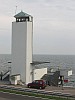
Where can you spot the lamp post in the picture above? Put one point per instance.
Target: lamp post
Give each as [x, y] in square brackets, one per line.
[62, 81]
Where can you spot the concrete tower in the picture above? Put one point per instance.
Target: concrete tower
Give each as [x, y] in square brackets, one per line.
[22, 38]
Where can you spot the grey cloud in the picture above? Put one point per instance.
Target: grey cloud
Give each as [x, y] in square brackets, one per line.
[62, 4]
[29, 1]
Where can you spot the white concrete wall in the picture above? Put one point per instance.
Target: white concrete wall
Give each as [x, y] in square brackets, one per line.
[22, 49]
[15, 79]
[18, 77]
[38, 73]
[29, 49]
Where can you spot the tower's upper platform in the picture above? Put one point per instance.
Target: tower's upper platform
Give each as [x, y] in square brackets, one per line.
[22, 17]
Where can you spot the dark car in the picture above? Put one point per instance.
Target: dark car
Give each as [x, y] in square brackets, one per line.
[37, 84]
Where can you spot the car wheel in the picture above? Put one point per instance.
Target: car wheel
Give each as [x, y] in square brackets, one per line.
[40, 87]
[28, 86]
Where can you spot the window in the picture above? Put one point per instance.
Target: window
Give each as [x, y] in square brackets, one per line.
[36, 81]
[40, 82]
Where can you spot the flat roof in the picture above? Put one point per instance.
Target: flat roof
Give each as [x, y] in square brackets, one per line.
[39, 62]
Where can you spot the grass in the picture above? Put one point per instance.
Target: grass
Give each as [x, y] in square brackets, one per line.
[34, 94]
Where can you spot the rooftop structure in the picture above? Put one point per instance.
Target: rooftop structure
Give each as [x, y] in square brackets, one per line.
[22, 17]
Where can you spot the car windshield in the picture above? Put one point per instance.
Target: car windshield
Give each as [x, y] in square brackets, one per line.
[33, 82]
[36, 81]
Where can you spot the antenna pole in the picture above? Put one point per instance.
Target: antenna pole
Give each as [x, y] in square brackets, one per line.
[15, 9]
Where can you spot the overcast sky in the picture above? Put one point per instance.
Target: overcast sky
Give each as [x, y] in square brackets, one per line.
[54, 25]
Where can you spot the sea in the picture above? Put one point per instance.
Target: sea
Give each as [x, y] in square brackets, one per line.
[56, 61]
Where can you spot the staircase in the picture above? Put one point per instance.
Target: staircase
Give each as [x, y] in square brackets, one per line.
[5, 76]
[52, 78]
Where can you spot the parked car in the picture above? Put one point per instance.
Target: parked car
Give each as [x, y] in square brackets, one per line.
[37, 84]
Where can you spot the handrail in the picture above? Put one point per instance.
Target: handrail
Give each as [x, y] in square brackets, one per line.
[5, 74]
[53, 83]
[51, 93]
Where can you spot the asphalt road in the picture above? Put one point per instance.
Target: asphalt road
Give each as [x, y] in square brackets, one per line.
[7, 96]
